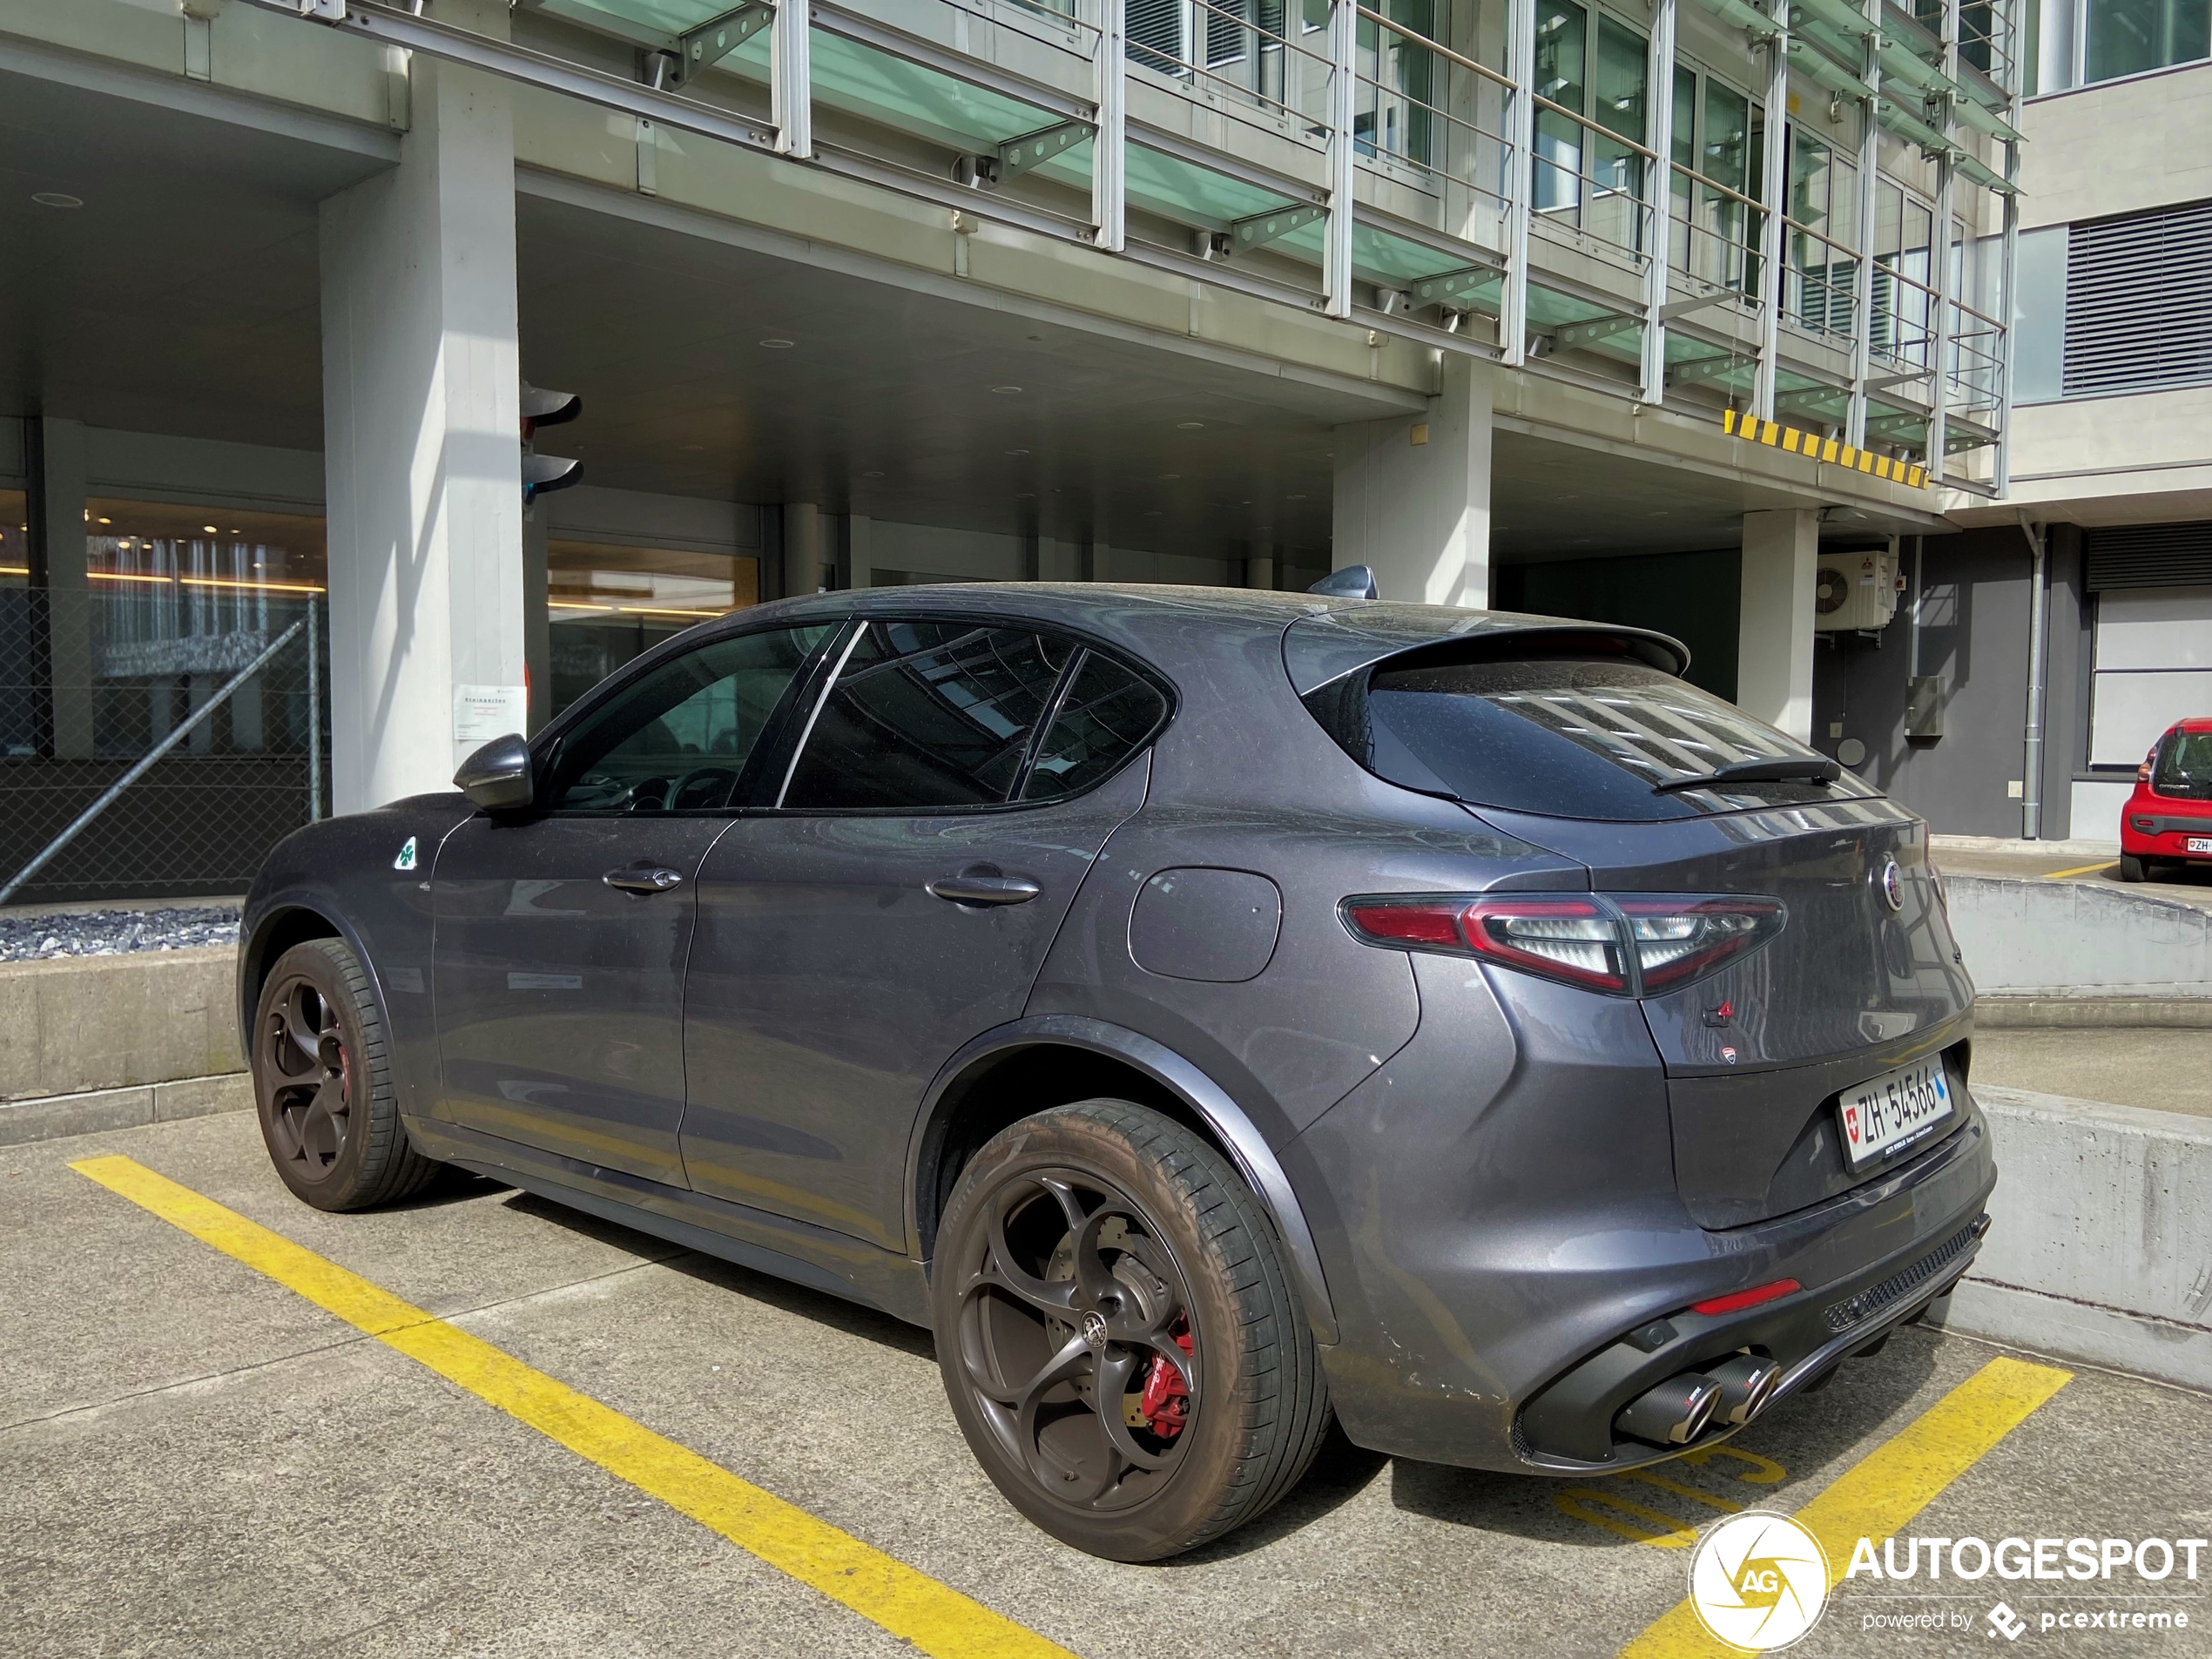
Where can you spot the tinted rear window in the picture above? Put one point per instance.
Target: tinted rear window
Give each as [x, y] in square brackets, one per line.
[2184, 765]
[1566, 736]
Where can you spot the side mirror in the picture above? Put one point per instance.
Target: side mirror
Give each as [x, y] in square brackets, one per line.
[497, 776]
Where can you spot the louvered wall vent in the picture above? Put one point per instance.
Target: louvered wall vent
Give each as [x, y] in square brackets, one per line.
[2139, 302]
[2150, 556]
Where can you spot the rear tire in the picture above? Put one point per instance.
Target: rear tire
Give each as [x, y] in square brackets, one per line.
[1079, 1248]
[2131, 868]
[322, 1083]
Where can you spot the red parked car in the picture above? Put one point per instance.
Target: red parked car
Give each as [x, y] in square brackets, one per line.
[2169, 816]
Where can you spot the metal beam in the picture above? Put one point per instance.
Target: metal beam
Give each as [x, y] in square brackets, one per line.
[1841, 16]
[1343, 170]
[1862, 287]
[1684, 307]
[791, 79]
[1017, 156]
[1110, 90]
[1521, 67]
[1660, 190]
[1774, 196]
[1946, 207]
[1258, 229]
[1576, 335]
[1707, 368]
[709, 43]
[1452, 285]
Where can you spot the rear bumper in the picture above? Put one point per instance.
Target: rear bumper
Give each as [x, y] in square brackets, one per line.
[2158, 831]
[1490, 1245]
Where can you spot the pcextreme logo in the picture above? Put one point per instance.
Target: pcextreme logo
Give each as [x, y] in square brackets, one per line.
[1758, 1580]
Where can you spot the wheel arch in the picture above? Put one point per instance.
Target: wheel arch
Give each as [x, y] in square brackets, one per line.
[1006, 1075]
[274, 932]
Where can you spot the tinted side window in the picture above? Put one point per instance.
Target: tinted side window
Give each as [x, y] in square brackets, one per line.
[1107, 716]
[926, 716]
[679, 739]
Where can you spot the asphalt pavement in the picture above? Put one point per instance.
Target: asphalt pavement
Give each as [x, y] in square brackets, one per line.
[201, 1459]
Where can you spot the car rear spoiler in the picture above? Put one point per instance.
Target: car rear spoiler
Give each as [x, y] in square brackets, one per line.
[1348, 638]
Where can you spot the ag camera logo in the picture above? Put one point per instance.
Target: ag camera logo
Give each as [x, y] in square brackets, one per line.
[1758, 1580]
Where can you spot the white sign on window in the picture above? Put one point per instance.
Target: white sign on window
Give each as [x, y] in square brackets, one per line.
[482, 712]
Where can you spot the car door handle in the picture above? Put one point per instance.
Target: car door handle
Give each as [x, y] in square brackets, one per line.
[642, 878]
[984, 886]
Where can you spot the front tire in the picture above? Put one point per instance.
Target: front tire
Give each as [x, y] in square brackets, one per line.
[322, 1083]
[1120, 1341]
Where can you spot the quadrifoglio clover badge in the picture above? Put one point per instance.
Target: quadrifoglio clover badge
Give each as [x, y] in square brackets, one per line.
[1758, 1580]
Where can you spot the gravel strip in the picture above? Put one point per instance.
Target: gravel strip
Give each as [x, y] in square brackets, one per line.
[113, 932]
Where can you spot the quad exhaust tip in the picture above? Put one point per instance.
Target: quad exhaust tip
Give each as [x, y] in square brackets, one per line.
[1674, 1413]
[1747, 1383]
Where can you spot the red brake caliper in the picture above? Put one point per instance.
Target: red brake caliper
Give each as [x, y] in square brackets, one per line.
[1165, 1401]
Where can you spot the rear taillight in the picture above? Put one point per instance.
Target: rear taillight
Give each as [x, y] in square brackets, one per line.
[1637, 944]
[1680, 940]
[1571, 938]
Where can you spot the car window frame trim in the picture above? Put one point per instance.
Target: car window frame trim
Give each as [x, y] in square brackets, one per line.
[639, 668]
[1169, 695]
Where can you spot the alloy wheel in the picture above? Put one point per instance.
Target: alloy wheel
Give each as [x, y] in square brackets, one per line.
[1076, 1340]
[310, 1074]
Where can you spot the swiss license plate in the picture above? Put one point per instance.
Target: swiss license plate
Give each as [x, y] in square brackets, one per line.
[2201, 843]
[1885, 1113]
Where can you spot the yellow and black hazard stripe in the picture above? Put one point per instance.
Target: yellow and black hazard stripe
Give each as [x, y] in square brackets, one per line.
[1827, 450]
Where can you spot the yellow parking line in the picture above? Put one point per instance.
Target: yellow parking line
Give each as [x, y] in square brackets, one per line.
[909, 1604]
[1890, 1485]
[2058, 875]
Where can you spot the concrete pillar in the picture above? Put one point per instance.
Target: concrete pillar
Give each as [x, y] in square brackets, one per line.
[859, 552]
[805, 549]
[537, 619]
[59, 566]
[1059, 559]
[1259, 570]
[1774, 644]
[1412, 495]
[423, 449]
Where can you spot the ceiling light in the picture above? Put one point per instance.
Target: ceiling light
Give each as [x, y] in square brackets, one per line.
[209, 530]
[1003, 390]
[1017, 452]
[777, 345]
[57, 199]
[1171, 475]
[694, 448]
[1189, 426]
[107, 520]
[871, 474]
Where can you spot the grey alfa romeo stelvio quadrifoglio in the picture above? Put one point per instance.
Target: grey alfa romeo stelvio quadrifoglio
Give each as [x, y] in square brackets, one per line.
[1211, 1013]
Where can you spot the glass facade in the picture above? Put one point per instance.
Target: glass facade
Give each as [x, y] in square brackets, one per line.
[606, 603]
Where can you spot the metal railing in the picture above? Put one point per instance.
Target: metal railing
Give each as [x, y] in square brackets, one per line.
[146, 760]
[1402, 136]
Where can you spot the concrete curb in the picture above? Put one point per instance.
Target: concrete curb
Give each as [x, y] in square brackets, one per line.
[2101, 1244]
[2078, 939]
[51, 1117]
[78, 1024]
[2090, 1013]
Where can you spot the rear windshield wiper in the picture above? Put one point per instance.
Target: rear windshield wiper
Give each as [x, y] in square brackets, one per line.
[1764, 769]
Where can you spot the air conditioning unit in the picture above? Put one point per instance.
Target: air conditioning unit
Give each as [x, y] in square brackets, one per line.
[1854, 590]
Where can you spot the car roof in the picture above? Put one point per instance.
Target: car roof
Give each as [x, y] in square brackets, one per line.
[1328, 634]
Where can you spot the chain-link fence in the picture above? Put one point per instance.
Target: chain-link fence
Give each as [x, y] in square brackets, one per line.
[187, 717]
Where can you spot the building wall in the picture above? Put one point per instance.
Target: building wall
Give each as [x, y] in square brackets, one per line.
[2117, 147]
[1974, 592]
